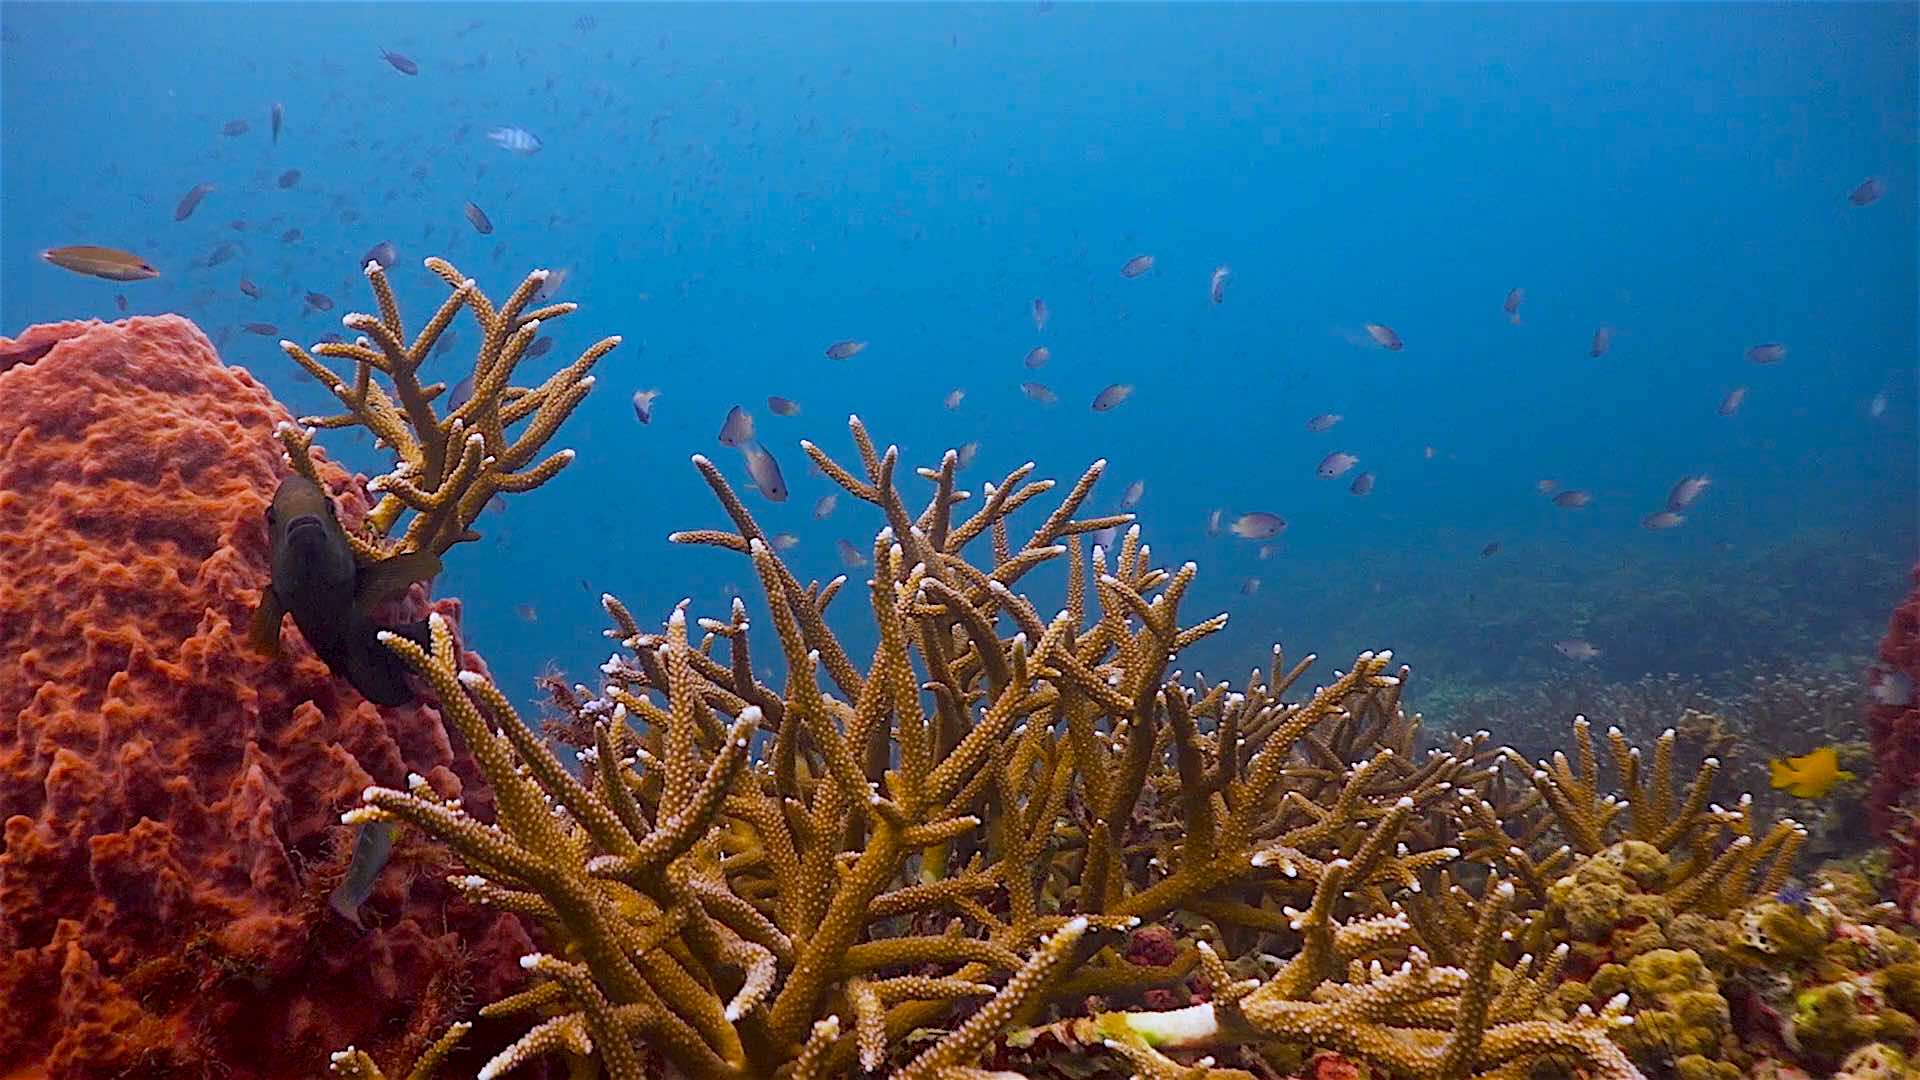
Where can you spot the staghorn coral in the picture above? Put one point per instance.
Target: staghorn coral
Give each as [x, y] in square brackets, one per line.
[171, 799]
[449, 464]
[758, 882]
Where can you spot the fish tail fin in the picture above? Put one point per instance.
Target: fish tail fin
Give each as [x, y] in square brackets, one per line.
[376, 670]
[1779, 775]
[342, 903]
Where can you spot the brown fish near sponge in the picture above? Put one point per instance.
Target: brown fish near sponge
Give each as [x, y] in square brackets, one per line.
[331, 593]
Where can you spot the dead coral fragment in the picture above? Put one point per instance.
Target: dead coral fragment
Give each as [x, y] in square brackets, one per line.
[451, 462]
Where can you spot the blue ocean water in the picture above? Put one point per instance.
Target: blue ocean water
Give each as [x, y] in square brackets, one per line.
[732, 188]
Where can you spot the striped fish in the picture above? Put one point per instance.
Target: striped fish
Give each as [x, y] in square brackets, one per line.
[519, 140]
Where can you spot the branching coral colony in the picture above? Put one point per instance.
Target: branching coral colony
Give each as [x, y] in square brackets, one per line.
[1003, 819]
[449, 464]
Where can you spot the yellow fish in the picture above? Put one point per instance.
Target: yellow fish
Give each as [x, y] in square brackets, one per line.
[1809, 776]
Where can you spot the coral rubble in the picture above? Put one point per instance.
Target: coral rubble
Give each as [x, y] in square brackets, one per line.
[171, 800]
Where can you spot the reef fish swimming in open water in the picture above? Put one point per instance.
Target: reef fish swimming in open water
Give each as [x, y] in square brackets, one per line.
[764, 470]
[1576, 649]
[1110, 398]
[1384, 337]
[191, 201]
[331, 594]
[1258, 525]
[1136, 266]
[845, 350]
[1809, 776]
[643, 405]
[402, 64]
[100, 262]
[371, 846]
[1336, 463]
[738, 428]
[516, 139]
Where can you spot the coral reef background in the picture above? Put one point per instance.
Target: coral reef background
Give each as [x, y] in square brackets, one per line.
[735, 194]
[172, 798]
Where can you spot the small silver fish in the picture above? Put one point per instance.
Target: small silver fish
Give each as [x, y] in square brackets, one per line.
[288, 179]
[461, 394]
[1868, 192]
[825, 505]
[1257, 525]
[1573, 499]
[1037, 357]
[965, 455]
[235, 127]
[550, 288]
[953, 399]
[765, 471]
[1217, 285]
[1136, 266]
[1877, 408]
[517, 140]
[279, 113]
[1576, 649]
[1602, 341]
[1110, 398]
[850, 556]
[1893, 688]
[1663, 519]
[478, 218]
[845, 350]
[1039, 392]
[1492, 549]
[1335, 464]
[1213, 522]
[191, 200]
[1362, 484]
[1731, 403]
[784, 541]
[1324, 421]
[643, 405]
[738, 428]
[1039, 314]
[1512, 306]
[780, 406]
[383, 253]
[1384, 337]
[371, 847]
[1104, 538]
[1686, 490]
[1771, 352]
[400, 63]
[1130, 498]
